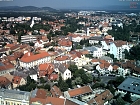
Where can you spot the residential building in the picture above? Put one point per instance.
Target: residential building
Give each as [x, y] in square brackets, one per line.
[5, 83]
[18, 81]
[79, 58]
[66, 44]
[56, 92]
[96, 51]
[106, 58]
[102, 98]
[45, 69]
[31, 60]
[64, 71]
[117, 48]
[28, 38]
[6, 67]
[123, 72]
[95, 40]
[62, 59]
[14, 97]
[82, 91]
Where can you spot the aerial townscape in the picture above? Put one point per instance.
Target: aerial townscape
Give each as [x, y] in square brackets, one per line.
[69, 57]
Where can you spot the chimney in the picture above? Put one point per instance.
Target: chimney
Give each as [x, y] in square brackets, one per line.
[28, 53]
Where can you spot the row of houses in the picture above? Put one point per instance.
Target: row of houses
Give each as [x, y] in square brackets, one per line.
[42, 97]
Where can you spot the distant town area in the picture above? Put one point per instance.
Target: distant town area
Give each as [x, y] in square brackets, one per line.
[69, 57]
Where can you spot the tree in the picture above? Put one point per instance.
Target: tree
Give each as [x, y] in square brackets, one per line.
[60, 80]
[135, 52]
[63, 86]
[111, 89]
[78, 81]
[118, 81]
[127, 97]
[69, 82]
[42, 80]
[73, 68]
[47, 87]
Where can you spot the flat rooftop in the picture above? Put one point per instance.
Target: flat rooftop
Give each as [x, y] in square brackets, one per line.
[131, 84]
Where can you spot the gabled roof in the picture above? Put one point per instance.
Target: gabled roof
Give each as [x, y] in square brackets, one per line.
[62, 58]
[35, 57]
[62, 68]
[4, 81]
[6, 65]
[45, 69]
[100, 99]
[80, 91]
[56, 92]
[16, 79]
[66, 43]
[104, 65]
[41, 93]
[79, 54]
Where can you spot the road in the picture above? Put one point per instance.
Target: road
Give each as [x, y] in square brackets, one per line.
[105, 79]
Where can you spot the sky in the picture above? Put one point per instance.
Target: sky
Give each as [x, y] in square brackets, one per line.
[60, 4]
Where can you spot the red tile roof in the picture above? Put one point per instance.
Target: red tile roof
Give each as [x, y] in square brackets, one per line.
[9, 45]
[6, 65]
[100, 99]
[79, 54]
[41, 93]
[66, 43]
[56, 92]
[62, 58]
[4, 81]
[55, 101]
[35, 57]
[48, 100]
[16, 79]
[53, 76]
[80, 91]
[45, 69]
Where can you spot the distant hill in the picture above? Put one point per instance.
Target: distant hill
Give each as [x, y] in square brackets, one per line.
[26, 8]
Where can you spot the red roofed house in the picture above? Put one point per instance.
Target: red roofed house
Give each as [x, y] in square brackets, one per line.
[66, 44]
[47, 69]
[6, 67]
[101, 99]
[62, 59]
[78, 58]
[18, 81]
[5, 83]
[104, 66]
[30, 60]
[56, 92]
[39, 97]
[82, 91]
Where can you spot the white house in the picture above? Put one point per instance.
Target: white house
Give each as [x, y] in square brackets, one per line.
[123, 72]
[66, 44]
[96, 51]
[62, 70]
[95, 39]
[104, 67]
[78, 58]
[106, 44]
[62, 59]
[117, 48]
